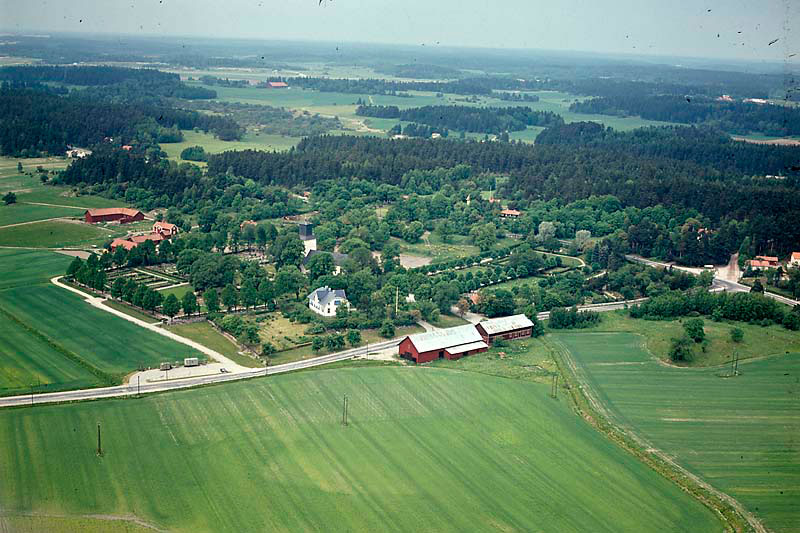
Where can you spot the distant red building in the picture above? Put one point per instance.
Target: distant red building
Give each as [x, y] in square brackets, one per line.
[113, 214]
[128, 245]
[277, 85]
[449, 343]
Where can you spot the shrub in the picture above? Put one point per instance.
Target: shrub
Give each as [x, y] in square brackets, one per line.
[681, 349]
[694, 329]
[737, 335]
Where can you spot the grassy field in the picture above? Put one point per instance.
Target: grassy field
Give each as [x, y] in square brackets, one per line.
[30, 191]
[758, 341]
[739, 434]
[108, 343]
[214, 146]
[206, 335]
[55, 234]
[19, 268]
[50, 338]
[416, 455]
[446, 320]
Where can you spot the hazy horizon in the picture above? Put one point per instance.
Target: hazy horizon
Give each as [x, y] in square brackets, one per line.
[727, 31]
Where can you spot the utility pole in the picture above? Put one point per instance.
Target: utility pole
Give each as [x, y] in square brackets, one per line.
[344, 411]
[554, 387]
[138, 386]
[99, 447]
[736, 363]
[396, 298]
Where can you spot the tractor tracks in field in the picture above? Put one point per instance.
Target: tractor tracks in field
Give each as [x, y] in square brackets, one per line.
[735, 516]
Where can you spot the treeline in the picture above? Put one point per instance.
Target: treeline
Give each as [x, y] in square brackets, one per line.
[150, 182]
[700, 144]
[739, 306]
[85, 75]
[38, 121]
[465, 118]
[130, 83]
[391, 87]
[737, 117]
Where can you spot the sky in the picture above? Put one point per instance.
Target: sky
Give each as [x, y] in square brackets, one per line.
[729, 29]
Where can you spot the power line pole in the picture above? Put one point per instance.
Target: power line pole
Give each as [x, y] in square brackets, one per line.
[396, 298]
[736, 363]
[554, 387]
[344, 411]
[99, 447]
[138, 386]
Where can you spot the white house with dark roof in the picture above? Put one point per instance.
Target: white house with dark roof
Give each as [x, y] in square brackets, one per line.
[325, 301]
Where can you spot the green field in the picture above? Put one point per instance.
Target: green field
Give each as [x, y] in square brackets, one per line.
[758, 341]
[271, 455]
[19, 212]
[52, 339]
[739, 434]
[30, 191]
[56, 234]
[213, 145]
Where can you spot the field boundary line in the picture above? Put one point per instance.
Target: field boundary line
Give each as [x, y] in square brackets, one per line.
[732, 513]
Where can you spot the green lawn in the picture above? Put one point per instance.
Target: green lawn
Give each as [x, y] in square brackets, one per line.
[55, 234]
[179, 292]
[205, 334]
[758, 341]
[739, 434]
[446, 320]
[271, 455]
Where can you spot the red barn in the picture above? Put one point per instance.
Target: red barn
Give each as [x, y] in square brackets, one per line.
[111, 214]
[278, 85]
[450, 343]
[507, 327]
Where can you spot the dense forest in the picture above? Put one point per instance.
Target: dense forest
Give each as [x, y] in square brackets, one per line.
[541, 172]
[700, 144]
[736, 117]
[38, 121]
[131, 83]
[465, 118]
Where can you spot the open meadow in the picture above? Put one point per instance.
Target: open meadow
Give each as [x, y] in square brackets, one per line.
[52, 340]
[737, 433]
[420, 452]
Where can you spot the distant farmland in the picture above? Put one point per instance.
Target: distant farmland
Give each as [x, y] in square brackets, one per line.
[740, 434]
[425, 450]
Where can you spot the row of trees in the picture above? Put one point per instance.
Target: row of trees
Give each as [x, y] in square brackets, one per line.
[466, 118]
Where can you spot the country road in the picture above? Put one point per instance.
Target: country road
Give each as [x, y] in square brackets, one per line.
[718, 283]
[132, 389]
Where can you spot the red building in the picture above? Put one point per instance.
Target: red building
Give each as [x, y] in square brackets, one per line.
[165, 228]
[128, 245]
[112, 214]
[155, 237]
[507, 327]
[277, 85]
[450, 343]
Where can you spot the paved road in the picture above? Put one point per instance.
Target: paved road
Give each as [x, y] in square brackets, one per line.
[132, 389]
[718, 283]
